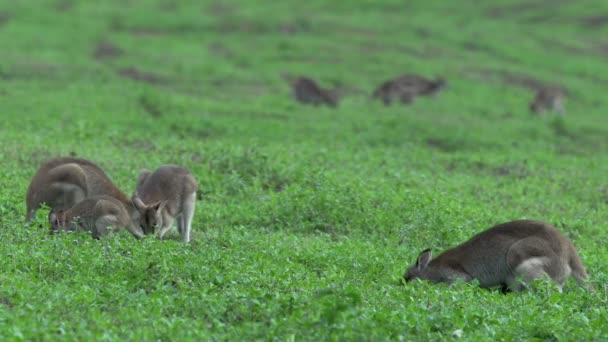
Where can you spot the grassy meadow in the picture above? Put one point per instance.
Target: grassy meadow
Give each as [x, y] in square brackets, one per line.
[307, 216]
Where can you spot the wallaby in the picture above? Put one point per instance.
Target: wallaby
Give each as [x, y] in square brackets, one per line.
[548, 100]
[502, 256]
[164, 195]
[306, 90]
[405, 88]
[63, 182]
[94, 215]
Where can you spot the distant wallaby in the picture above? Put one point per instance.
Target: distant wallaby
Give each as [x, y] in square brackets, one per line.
[94, 215]
[548, 100]
[164, 195]
[306, 90]
[502, 255]
[62, 182]
[405, 88]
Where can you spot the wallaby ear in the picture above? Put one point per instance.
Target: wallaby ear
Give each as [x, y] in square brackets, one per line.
[424, 258]
[138, 203]
[160, 205]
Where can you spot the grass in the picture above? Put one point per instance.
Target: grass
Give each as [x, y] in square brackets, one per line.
[308, 216]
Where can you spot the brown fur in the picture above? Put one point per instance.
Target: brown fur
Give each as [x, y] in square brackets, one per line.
[164, 195]
[548, 100]
[406, 88]
[94, 215]
[501, 255]
[306, 90]
[62, 182]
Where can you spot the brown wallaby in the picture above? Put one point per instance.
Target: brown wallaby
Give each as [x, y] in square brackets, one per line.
[164, 195]
[306, 90]
[62, 182]
[548, 100]
[94, 215]
[405, 88]
[502, 255]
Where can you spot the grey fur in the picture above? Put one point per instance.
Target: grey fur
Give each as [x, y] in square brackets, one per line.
[162, 196]
[502, 255]
[548, 100]
[406, 87]
[94, 215]
[63, 182]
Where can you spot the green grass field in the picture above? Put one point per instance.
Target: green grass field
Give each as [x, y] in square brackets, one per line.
[308, 216]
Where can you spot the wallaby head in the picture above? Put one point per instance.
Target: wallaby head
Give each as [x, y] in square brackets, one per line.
[150, 215]
[165, 196]
[95, 215]
[60, 221]
[419, 270]
[504, 256]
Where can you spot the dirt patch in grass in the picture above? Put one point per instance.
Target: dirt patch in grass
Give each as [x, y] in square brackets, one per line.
[441, 144]
[140, 145]
[141, 76]
[168, 6]
[64, 5]
[594, 21]
[4, 18]
[150, 106]
[509, 78]
[32, 71]
[107, 50]
[517, 170]
[522, 7]
[477, 47]
[219, 49]
[148, 31]
[220, 8]
[599, 49]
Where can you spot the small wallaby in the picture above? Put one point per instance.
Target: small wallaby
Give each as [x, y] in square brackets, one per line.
[62, 182]
[548, 100]
[164, 195]
[504, 256]
[405, 88]
[94, 215]
[306, 90]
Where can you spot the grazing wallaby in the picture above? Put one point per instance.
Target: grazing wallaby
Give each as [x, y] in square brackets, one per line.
[548, 100]
[164, 195]
[62, 182]
[406, 87]
[306, 90]
[502, 255]
[94, 215]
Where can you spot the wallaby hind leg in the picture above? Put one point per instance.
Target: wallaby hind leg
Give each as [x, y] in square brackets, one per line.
[533, 268]
[65, 196]
[187, 216]
[529, 261]
[61, 196]
[180, 223]
[103, 223]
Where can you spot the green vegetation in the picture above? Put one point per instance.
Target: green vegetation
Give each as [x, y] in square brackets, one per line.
[308, 215]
